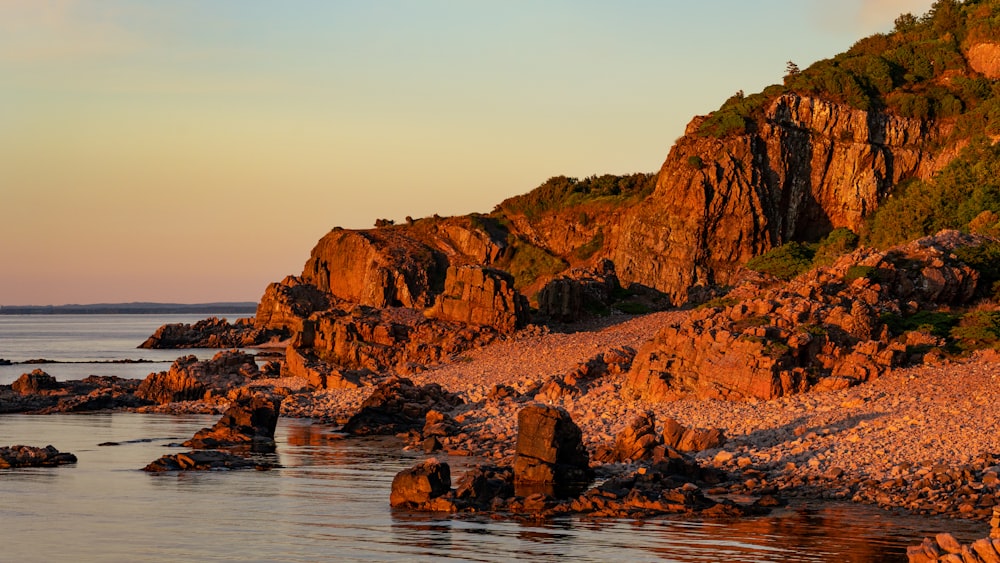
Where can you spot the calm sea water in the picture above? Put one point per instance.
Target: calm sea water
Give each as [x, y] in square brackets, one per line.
[88, 342]
[329, 500]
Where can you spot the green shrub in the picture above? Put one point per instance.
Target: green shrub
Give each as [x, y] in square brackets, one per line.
[938, 323]
[591, 247]
[695, 161]
[834, 245]
[858, 272]
[978, 329]
[784, 262]
[560, 192]
[528, 263]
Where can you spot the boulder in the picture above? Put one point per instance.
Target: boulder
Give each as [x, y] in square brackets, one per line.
[249, 422]
[685, 439]
[203, 461]
[397, 406]
[481, 296]
[36, 382]
[418, 485]
[550, 451]
[286, 304]
[28, 456]
[579, 293]
[636, 441]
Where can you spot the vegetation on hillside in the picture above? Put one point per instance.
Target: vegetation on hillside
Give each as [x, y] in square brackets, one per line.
[561, 192]
[917, 70]
[965, 194]
[791, 259]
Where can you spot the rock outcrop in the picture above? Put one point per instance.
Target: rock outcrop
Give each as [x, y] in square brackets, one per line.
[579, 294]
[28, 456]
[189, 379]
[285, 305]
[35, 383]
[481, 296]
[208, 333]
[550, 453]
[823, 330]
[248, 423]
[807, 167]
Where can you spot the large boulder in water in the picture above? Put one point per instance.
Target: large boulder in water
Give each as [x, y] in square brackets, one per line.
[550, 453]
[418, 485]
[247, 423]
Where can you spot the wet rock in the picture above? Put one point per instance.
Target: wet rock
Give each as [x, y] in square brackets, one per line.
[203, 461]
[28, 456]
[248, 423]
[397, 406]
[415, 487]
[36, 382]
[209, 333]
[550, 453]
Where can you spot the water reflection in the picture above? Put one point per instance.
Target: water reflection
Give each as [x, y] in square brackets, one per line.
[330, 501]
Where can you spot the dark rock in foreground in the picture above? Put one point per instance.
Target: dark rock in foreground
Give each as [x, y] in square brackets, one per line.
[203, 461]
[249, 422]
[27, 456]
[420, 484]
[40, 393]
[550, 454]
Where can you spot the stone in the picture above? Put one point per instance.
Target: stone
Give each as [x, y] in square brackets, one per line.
[683, 439]
[248, 423]
[418, 485]
[550, 450]
[35, 382]
[575, 295]
[208, 333]
[203, 461]
[637, 440]
[396, 406]
[28, 456]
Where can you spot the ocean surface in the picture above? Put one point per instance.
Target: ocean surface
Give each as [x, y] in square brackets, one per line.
[328, 500]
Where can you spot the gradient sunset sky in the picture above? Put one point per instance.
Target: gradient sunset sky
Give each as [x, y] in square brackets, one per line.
[192, 151]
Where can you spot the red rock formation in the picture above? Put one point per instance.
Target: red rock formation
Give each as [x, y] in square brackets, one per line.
[984, 58]
[579, 293]
[286, 304]
[418, 485]
[550, 450]
[481, 296]
[189, 379]
[249, 422]
[820, 330]
[35, 382]
[27, 456]
[809, 166]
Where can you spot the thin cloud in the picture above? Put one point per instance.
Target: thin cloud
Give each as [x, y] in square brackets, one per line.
[33, 31]
[864, 17]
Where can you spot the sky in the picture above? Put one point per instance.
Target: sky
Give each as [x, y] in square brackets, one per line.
[189, 151]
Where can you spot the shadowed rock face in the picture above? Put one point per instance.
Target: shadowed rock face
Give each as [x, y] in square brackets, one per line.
[249, 422]
[27, 456]
[550, 454]
[398, 406]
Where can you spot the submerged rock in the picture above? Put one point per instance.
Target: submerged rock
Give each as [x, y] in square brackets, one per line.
[203, 461]
[28, 456]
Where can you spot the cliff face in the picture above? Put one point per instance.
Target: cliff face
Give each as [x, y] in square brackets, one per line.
[807, 167]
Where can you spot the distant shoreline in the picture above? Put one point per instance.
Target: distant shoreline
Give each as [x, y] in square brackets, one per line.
[227, 308]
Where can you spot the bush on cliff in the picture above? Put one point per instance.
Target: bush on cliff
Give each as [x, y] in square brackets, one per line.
[784, 262]
[560, 192]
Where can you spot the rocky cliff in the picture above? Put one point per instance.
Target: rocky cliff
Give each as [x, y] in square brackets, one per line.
[807, 167]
